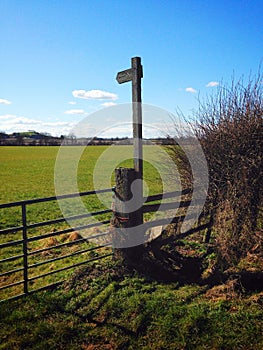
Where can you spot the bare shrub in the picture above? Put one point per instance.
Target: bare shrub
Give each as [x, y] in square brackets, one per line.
[183, 165]
[230, 130]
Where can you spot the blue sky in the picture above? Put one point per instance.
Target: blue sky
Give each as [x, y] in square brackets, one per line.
[54, 54]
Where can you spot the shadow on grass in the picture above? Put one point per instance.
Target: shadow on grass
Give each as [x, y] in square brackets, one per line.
[163, 261]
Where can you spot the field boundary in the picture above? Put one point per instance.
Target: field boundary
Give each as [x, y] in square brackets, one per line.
[26, 267]
[25, 240]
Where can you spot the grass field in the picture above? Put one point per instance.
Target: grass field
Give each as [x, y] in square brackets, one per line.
[103, 306]
[28, 173]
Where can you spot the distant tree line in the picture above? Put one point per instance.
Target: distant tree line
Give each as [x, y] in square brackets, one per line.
[30, 138]
[33, 138]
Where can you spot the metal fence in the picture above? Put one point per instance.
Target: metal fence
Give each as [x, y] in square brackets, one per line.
[90, 252]
[26, 268]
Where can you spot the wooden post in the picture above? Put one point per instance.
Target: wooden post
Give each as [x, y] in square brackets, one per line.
[137, 130]
[135, 74]
[124, 218]
[124, 178]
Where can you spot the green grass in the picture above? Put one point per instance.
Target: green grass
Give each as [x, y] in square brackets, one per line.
[28, 173]
[102, 305]
[105, 308]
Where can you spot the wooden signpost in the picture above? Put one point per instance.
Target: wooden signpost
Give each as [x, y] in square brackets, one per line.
[135, 74]
[125, 76]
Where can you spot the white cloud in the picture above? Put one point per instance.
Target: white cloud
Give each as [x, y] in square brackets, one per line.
[212, 84]
[5, 102]
[10, 119]
[108, 104]
[6, 116]
[190, 89]
[118, 130]
[72, 102]
[75, 111]
[94, 95]
[110, 119]
[11, 123]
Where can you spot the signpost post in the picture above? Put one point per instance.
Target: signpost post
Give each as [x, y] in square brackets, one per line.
[135, 74]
